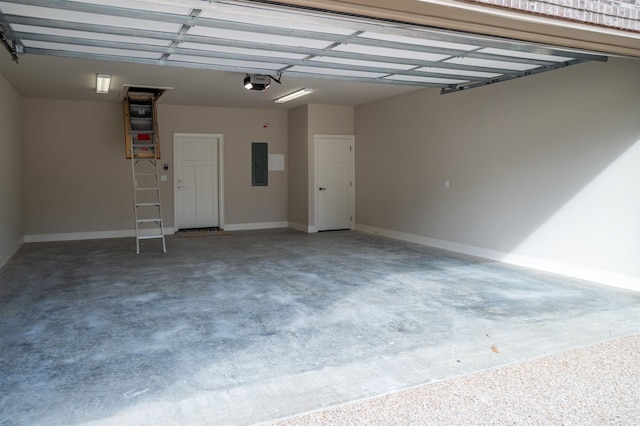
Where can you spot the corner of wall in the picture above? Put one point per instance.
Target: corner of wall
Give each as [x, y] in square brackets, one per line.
[12, 165]
[12, 250]
[303, 228]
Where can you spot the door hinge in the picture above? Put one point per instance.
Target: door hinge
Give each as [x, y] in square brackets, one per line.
[350, 218]
[350, 183]
[350, 149]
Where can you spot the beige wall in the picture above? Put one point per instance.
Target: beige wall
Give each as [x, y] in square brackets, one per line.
[544, 171]
[304, 123]
[76, 176]
[331, 120]
[11, 167]
[77, 179]
[244, 204]
[298, 167]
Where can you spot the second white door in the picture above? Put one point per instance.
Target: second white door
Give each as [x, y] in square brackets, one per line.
[334, 168]
[196, 190]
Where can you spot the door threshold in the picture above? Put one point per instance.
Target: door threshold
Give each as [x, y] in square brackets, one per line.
[202, 232]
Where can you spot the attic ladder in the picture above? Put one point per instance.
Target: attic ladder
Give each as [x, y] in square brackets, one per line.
[143, 149]
[146, 200]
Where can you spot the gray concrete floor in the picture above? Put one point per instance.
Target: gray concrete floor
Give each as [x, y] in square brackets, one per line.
[261, 325]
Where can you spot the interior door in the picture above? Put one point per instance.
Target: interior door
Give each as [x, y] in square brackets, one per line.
[334, 168]
[196, 181]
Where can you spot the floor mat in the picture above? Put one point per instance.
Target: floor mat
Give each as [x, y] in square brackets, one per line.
[202, 232]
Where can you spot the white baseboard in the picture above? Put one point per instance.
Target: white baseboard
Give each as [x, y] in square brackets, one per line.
[613, 279]
[97, 235]
[303, 228]
[253, 226]
[8, 254]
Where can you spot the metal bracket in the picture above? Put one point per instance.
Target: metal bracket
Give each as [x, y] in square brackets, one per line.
[11, 48]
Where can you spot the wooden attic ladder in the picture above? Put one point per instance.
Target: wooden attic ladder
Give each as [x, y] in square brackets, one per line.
[142, 145]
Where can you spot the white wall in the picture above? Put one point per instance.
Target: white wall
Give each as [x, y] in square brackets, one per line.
[544, 171]
[11, 165]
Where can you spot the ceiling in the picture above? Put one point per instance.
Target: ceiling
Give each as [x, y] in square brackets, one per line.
[203, 49]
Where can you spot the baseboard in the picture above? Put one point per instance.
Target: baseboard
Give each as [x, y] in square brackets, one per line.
[303, 228]
[627, 282]
[13, 249]
[74, 236]
[613, 279]
[298, 227]
[253, 226]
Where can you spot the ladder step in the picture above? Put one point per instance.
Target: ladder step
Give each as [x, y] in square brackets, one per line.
[147, 204]
[149, 237]
[149, 220]
[147, 189]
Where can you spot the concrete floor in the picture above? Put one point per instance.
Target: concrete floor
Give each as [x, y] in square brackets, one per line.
[261, 325]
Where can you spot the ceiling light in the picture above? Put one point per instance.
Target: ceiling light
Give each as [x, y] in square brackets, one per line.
[103, 81]
[293, 95]
[257, 82]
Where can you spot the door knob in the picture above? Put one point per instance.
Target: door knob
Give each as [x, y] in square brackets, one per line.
[322, 189]
[180, 188]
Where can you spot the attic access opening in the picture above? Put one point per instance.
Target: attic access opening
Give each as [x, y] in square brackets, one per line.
[141, 120]
[156, 92]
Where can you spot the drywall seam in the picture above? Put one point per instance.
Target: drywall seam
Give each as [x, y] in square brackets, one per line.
[613, 279]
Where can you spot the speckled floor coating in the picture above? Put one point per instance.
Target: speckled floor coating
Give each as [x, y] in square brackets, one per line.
[261, 325]
[594, 385]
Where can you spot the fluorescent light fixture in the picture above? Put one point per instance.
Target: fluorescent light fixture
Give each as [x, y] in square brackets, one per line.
[293, 95]
[103, 81]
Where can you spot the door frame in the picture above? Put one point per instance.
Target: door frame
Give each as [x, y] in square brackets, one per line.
[220, 138]
[314, 176]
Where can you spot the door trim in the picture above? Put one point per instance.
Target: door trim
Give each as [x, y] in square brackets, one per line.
[220, 138]
[314, 176]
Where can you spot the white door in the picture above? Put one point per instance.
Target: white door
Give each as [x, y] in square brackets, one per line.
[334, 182]
[196, 166]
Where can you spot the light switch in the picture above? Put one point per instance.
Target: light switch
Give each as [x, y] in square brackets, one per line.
[163, 178]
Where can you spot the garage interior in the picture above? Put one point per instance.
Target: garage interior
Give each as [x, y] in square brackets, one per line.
[491, 196]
